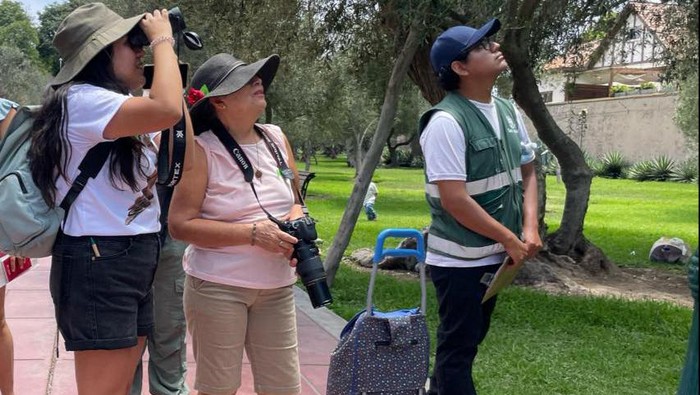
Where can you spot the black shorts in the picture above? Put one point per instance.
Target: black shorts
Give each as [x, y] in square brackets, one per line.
[103, 302]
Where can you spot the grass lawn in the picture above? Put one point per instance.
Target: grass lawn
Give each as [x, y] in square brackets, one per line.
[540, 344]
[625, 217]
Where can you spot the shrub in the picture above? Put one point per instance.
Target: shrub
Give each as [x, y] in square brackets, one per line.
[686, 116]
[547, 159]
[663, 168]
[647, 85]
[619, 88]
[550, 168]
[641, 171]
[612, 165]
[659, 169]
[418, 161]
[592, 162]
[686, 172]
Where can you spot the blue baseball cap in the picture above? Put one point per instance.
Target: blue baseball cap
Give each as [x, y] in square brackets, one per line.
[453, 41]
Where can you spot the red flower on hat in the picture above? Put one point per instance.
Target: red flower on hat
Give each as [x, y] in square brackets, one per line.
[194, 95]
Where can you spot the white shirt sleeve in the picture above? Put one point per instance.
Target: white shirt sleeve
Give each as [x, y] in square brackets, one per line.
[91, 108]
[527, 147]
[444, 148]
[5, 107]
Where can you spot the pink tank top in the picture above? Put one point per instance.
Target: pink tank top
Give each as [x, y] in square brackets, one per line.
[229, 198]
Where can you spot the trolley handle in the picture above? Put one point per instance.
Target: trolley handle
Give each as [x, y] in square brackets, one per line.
[381, 253]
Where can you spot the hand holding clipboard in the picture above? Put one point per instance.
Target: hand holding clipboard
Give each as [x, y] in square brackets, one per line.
[503, 277]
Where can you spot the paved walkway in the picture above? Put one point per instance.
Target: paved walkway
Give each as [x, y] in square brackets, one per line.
[30, 315]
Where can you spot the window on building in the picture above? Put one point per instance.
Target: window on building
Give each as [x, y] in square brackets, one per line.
[546, 96]
[634, 33]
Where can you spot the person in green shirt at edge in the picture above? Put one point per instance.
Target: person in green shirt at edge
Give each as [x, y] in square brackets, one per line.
[482, 193]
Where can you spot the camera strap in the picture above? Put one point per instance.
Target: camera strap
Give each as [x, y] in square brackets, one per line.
[246, 167]
[170, 171]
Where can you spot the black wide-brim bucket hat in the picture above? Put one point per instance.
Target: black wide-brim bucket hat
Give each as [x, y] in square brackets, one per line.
[221, 75]
[84, 33]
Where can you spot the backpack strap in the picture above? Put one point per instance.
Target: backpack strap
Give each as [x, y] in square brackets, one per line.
[89, 167]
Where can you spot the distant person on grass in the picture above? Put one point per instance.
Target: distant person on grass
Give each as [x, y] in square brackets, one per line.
[370, 198]
[482, 192]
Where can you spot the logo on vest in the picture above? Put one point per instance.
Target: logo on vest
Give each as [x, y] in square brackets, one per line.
[511, 127]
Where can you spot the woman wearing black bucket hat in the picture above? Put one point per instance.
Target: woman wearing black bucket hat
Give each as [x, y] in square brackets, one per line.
[238, 291]
[105, 255]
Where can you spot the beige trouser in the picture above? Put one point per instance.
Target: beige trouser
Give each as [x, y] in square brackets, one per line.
[223, 319]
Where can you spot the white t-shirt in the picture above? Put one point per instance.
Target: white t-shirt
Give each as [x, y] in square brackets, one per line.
[101, 209]
[444, 151]
[371, 195]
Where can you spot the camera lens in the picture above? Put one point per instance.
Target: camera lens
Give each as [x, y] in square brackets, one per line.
[310, 270]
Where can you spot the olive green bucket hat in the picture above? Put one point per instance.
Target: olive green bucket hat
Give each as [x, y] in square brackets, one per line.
[221, 75]
[84, 33]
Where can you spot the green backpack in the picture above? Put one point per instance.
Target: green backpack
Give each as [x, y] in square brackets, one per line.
[28, 226]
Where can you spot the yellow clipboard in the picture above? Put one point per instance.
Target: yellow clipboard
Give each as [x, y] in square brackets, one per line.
[503, 278]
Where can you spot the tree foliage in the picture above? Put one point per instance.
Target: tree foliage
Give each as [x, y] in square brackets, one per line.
[26, 83]
[49, 20]
[686, 116]
[683, 70]
[16, 30]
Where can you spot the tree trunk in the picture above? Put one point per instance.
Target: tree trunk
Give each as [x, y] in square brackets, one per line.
[308, 152]
[568, 239]
[371, 159]
[358, 154]
[421, 73]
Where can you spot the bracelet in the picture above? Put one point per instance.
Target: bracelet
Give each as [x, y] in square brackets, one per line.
[252, 234]
[162, 39]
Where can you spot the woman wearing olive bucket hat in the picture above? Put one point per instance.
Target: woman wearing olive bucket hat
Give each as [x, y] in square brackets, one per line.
[105, 255]
[238, 290]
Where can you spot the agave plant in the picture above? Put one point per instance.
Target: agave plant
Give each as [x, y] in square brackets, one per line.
[641, 171]
[663, 168]
[592, 162]
[686, 172]
[613, 165]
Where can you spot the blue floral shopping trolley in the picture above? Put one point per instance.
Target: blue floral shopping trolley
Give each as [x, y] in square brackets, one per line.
[384, 352]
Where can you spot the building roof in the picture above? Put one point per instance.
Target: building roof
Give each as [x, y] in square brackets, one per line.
[586, 55]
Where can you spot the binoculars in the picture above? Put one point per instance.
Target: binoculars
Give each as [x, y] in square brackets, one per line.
[137, 38]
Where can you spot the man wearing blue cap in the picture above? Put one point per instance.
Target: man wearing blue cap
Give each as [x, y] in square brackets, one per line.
[482, 192]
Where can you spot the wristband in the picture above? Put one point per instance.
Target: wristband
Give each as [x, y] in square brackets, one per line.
[162, 39]
[252, 234]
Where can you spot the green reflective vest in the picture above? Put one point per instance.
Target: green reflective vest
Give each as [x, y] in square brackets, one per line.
[494, 179]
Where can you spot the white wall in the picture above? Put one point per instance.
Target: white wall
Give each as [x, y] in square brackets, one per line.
[554, 83]
[641, 127]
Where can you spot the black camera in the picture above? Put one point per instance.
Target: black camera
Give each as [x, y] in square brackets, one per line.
[137, 38]
[309, 265]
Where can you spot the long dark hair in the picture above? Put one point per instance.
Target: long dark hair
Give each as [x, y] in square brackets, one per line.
[50, 150]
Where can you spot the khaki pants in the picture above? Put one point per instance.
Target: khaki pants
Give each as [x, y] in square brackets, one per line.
[223, 320]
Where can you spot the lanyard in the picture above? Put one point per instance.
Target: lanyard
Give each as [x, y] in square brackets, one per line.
[169, 172]
[276, 154]
[246, 167]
